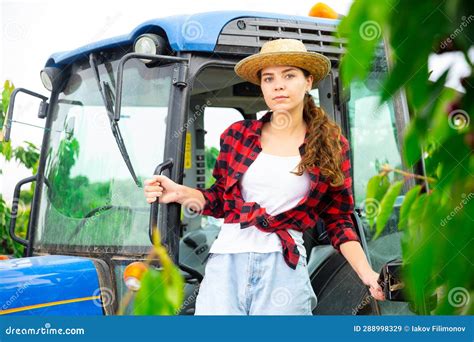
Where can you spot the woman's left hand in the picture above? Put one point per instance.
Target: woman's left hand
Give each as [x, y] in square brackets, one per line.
[370, 279]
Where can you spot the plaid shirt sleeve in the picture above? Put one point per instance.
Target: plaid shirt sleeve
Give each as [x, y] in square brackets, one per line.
[214, 196]
[337, 205]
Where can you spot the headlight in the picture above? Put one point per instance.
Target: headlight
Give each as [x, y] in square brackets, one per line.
[150, 44]
[49, 77]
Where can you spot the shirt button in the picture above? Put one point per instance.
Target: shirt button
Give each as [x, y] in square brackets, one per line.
[252, 154]
[264, 223]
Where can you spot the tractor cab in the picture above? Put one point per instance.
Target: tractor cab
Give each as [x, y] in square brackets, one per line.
[157, 100]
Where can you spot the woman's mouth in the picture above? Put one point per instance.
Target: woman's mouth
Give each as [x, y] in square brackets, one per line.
[280, 97]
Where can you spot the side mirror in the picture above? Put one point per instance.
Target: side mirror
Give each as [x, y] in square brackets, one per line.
[42, 112]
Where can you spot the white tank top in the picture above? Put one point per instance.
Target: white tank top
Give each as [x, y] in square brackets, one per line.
[269, 183]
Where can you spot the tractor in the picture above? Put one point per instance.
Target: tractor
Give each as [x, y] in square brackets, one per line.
[155, 100]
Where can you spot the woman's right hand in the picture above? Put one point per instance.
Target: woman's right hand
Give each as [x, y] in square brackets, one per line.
[161, 187]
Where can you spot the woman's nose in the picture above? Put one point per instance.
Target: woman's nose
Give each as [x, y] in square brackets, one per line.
[279, 85]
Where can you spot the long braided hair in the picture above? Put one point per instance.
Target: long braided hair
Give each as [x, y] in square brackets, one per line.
[323, 148]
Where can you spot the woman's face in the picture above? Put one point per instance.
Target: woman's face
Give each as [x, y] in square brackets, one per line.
[284, 87]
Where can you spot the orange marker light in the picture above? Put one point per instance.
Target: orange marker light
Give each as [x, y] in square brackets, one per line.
[321, 10]
[133, 274]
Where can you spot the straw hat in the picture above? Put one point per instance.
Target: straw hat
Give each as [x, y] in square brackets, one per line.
[283, 52]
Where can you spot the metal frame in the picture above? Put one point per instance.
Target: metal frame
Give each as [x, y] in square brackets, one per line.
[8, 125]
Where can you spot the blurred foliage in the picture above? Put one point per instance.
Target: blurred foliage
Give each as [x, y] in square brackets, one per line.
[66, 193]
[161, 291]
[28, 156]
[211, 154]
[437, 215]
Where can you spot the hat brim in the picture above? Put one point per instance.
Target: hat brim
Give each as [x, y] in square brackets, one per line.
[313, 62]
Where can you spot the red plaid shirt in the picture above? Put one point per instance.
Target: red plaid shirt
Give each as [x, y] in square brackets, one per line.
[240, 146]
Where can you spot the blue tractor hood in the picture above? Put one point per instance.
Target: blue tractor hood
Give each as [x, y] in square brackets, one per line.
[50, 285]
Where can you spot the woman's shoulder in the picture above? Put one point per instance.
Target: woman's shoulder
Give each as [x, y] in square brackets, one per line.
[240, 129]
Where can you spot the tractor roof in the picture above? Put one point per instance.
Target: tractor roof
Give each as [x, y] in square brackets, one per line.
[180, 31]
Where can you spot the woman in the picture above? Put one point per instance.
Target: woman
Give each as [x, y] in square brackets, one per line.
[275, 177]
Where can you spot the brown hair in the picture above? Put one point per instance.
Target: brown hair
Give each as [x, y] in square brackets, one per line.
[323, 148]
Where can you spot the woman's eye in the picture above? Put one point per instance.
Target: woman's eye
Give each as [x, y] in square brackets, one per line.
[267, 79]
[290, 76]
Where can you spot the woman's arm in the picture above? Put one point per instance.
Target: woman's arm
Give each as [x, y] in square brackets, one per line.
[168, 191]
[354, 254]
[335, 209]
[191, 198]
[204, 201]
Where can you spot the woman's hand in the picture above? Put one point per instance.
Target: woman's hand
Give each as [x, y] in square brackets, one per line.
[370, 279]
[353, 252]
[163, 188]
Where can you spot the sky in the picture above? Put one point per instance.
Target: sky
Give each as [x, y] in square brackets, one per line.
[33, 30]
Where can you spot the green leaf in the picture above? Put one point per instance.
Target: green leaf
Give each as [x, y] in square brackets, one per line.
[6, 150]
[406, 206]
[159, 294]
[412, 40]
[8, 88]
[411, 145]
[376, 189]
[440, 128]
[364, 28]
[386, 207]
[420, 127]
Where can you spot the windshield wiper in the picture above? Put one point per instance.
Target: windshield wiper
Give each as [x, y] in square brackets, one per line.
[107, 97]
[100, 210]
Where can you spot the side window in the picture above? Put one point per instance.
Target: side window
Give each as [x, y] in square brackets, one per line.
[374, 142]
[315, 94]
[373, 137]
[216, 120]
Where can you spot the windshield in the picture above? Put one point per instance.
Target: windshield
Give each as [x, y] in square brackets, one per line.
[90, 198]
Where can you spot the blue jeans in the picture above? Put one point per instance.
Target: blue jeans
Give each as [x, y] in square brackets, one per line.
[254, 284]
